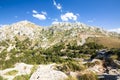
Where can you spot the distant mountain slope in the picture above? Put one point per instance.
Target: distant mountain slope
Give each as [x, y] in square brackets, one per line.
[61, 32]
[110, 42]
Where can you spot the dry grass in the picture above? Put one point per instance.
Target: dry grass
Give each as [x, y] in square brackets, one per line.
[84, 75]
[109, 42]
[114, 57]
[87, 75]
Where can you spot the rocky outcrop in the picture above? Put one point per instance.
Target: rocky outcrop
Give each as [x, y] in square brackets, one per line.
[22, 69]
[98, 67]
[47, 72]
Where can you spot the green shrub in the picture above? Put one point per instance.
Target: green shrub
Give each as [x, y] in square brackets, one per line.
[1, 78]
[34, 68]
[88, 64]
[71, 78]
[13, 72]
[22, 77]
[114, 57]
[88, 76]
[71, 66]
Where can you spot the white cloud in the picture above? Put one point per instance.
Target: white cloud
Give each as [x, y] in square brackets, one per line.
[115, 30]
[43, 12]
[58, 6]
[69, 16]
[34, 11]
[40, 16]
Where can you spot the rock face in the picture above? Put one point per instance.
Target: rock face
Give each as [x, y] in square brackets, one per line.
[47, 72]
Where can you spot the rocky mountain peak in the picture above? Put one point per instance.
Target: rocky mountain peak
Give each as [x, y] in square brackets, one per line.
[25, 23]
[22, 28]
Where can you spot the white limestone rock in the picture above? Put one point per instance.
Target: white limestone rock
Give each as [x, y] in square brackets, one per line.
[23, 68]
[47, 72]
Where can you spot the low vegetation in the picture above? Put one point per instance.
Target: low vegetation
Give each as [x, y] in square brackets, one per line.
[1, 78]
[34, 68]
[62, 53]
[71, 78]
[22, 77]
[13, 72]
[87, 76]
[71, 66]
[31, 54]
[109, 42]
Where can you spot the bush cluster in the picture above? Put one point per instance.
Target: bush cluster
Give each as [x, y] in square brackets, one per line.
[26, 52]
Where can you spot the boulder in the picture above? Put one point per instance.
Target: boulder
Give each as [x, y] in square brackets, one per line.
[48, 72]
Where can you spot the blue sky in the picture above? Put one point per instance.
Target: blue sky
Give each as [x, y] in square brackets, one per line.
[103, 13]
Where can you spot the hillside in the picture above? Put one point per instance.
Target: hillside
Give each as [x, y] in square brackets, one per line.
[68, 45]
[63, 31]
[109, 42]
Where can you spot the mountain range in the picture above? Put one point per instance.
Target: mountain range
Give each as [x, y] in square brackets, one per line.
[59, 32]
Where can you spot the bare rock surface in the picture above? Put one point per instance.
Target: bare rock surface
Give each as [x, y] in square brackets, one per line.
[22, 69]
[47, 72]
